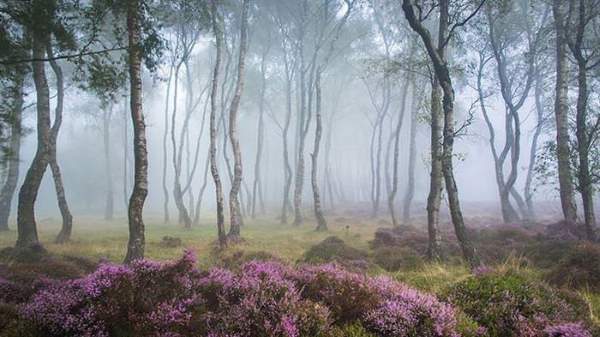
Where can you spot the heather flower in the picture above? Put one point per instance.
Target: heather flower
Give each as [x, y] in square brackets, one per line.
[567, 330]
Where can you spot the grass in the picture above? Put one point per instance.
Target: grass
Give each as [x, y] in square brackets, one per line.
[98, 239]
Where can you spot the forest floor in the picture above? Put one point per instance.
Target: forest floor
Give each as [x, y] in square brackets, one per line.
[504, 249]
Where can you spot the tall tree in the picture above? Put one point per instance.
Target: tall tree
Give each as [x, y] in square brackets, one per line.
[414, 15]
[561, 113]
[15, 113]
[214, 168]
[234, 202]
[67, 219]
[136, 244]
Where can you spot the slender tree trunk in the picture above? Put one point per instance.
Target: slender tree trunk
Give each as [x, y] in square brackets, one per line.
[234, 202]
[165, 154]
[539, 108]
[321, 222]
[561, 112]
[12, 177]
[125, 157]
[299, 178]
[286, 158]
[586, 186]
[435, 178]
[257, 184]
[396, 137]
[201, 193]
[136, 244]
[26, 224]
[67, 218]
[412, 158]
[214, 169]
[178, 195]
[109, 210]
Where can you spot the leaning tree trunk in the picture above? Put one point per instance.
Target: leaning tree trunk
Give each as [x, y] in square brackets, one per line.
[214, 169]
[442, 73]
[234, 201]
[109, 209]
[561, 112]
[136, 244]
[286, 158]
[321, 222]
[12, 177]
[396, 137]
[26, 224]
[435, 178]
[539, 108]
[184, 217]
[67, 218]
[164, 148]
[412, 158]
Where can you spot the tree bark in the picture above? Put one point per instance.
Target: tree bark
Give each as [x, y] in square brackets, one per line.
[540, 119]
[136, 244]
[178, 195]
[214, 169]
[435, 177]
[109, 209]
[321, 222]
[67, 219]
[561, 113]
[582, 16]
[257, 184]
[166, 215]
[26, 224]
[412, 158]
[396, 137]
[234, 202]
[12, 177]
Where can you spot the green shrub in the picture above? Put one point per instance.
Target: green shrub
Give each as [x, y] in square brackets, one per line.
[396, 258]
[351, 330]
[333, 249]
[510, 304]
[579, 269]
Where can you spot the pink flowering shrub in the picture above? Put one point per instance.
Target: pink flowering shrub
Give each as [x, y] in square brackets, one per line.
[260, 299]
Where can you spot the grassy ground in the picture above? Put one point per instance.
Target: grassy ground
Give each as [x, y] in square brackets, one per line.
[98, 239]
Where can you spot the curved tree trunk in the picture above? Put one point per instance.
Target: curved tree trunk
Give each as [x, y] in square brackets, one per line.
[12, 177]
[67, 219]
[257, 184]
[321, 222]
[136, 244]
[214, 169]
[184, 217]
[396, 137]
[26, 224]
[234, 202]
